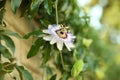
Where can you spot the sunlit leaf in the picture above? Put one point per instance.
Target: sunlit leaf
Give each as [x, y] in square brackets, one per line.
[100, 72]
[79, 78]
[9, 42]
[35, 48]
[87, 42]
[15, 4]
[24, 74]
[48, 6]
[77, 68]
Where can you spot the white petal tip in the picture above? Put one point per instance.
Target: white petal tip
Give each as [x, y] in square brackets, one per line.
[60, 45]
[51, 43]
[45, 31]
[74, 36]
[49, 26]
[47, 38]
[60, 49]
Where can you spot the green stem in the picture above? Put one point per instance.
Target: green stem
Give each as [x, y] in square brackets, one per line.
[62, 62]
[0, 53]
[56, 3]
[82, 76]
[44, 74]
[0, 57]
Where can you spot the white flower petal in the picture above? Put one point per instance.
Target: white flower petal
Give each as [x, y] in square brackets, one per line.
[46, 31]
[60, 45]
[71, 45]
[47, 38]
[67, 45]
[49, 26]
[53, 41]
[53, 29]
[74, 37]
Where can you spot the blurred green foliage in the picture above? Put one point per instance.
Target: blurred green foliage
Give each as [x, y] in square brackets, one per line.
[95, 54]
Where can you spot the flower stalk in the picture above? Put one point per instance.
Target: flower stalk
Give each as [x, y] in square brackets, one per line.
[61, 58]
[56, 3]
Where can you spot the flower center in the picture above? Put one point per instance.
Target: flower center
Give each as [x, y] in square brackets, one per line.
[62, 33]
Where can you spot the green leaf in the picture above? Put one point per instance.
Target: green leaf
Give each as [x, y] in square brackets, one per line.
[77, 68]
[65, 76]
[78, 52]
[2, 3]
[1, 66]
[2, 76]
[48, 6]
[35, 4]
[2, 73]
[35, 48]
[11, 33]
[5, 52]
[15, 4]
[1, 31]
[9, 42]
[24, 74]
[33, 33]
[53, 77]
[8, 67]
[2, 12]
[67, 67]
[79, 77]
[25, 7]
[57, 59]
[34, 7]
[44, 22]
[46, 54]
[87, 42]
[49, 70]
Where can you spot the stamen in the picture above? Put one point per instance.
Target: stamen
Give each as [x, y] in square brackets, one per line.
[61, 33]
